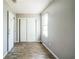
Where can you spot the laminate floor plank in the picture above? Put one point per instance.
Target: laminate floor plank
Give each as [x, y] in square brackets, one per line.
[29, 51]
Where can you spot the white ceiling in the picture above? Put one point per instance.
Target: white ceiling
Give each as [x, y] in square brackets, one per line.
[28, 6]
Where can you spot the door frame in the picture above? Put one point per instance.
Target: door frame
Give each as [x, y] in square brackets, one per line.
[7, 30]
[19, 29]
[19, 20]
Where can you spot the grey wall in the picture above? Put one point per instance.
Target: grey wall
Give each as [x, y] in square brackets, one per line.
[5, 8]
[61, 28]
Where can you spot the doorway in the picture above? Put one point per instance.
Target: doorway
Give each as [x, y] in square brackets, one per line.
[27, 30]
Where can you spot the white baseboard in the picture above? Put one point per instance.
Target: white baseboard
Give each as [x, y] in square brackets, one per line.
[32, 41]
[16, 41]
[27, 41]
[5, 54]
[50, 51]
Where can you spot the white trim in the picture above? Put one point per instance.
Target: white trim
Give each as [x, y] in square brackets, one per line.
[33, 41]
[5, 54]
[16, 41]
[50, 51]
[27, 41]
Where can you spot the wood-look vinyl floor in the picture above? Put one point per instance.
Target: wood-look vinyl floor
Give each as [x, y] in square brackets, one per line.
[29, 51]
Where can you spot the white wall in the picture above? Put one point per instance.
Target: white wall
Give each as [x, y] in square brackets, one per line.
[5, 8]
[61, 29]
[36, 16]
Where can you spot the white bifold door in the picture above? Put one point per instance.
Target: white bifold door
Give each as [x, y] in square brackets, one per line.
[27, 30]
[23, 30]
[31, 30]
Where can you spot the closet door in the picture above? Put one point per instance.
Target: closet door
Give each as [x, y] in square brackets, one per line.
[10, 31]
[22, 30]
[31, 30]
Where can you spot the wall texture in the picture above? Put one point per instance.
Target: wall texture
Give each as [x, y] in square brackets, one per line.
[61, 28]
[5, 9]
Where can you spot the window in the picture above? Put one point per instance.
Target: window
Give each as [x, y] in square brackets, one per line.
[45, 25]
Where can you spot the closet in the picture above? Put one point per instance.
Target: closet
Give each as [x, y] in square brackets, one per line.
[27, 29]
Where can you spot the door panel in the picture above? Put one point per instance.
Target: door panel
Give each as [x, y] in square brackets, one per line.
[23, 30]
[31, 29]
[10, 31]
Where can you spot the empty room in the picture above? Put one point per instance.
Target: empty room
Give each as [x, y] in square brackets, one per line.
[38, 29]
